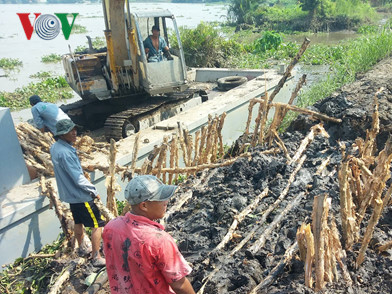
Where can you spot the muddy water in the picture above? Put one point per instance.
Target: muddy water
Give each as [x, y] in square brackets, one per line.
[14, 44]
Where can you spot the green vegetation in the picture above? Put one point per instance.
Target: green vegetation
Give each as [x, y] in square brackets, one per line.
[42, 75]
[97, 42]
[30, 275]
[10, 63]
[51, 58]
[79, 29]
[289, 15]
[50, 89]
[204, 46]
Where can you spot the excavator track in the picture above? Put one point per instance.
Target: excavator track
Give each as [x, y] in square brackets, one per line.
[114, 124]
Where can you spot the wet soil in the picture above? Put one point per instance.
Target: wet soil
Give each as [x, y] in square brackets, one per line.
[201, 224]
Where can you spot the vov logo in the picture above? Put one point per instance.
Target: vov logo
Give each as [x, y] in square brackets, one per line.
[47, 26]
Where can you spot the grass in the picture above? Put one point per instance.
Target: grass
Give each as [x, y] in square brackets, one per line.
[359, 56]
[10, 63]
[51, 58]
[50, 90]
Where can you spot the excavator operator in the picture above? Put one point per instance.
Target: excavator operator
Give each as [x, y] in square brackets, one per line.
[155, 47]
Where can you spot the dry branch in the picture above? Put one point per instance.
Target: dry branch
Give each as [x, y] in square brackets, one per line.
[319, 225]
[273, 275]
[347, 212]
[289, 68]
[111, 186]
[66, 274]
[239, 218]
[369, 231]
[63, 213]
[314, 131]
[285, 212]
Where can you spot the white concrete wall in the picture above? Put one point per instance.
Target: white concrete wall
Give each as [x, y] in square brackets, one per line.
[13, 170]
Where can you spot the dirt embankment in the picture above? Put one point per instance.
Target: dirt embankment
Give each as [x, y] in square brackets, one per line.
[203, 222]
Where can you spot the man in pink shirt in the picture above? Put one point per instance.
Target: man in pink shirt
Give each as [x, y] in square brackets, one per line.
[141, 258]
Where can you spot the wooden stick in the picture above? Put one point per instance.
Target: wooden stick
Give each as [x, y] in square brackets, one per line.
[369, 231]
[252, 103]
[369, 147]
[173, 144]
[346, 210]
[275, 272]
[381, 174]
[304, 111]
[202, 142]
[239, 218]
[63, 213]
[193, 169]
[263, 110]
[290, 67]
[220, 127]
[108, 215]
[134, 153]
[65, 275]
[300, 236]
[309, 256]
[314, 131]
[196, 156]
[34, 256]
[111, 186]
[161, 157]
[319, 224]
[340, 254]
[263, 238]
[281, 144]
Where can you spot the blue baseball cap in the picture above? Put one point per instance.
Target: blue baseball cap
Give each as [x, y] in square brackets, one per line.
[147, 188]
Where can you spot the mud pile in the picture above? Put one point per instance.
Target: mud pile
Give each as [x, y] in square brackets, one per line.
[224, 192]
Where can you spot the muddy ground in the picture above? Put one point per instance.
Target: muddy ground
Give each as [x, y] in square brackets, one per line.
[204, 220]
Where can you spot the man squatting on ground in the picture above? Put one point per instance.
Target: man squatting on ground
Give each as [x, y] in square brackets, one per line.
[46, 115]
[140, 256]
[75, 189]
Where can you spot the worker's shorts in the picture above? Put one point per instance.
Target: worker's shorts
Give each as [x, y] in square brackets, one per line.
[88, 214]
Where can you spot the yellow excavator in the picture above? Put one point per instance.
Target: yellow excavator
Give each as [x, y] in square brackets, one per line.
[120, 89]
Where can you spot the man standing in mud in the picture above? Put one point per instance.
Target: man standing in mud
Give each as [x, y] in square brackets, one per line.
[46, 115]
[75, 189]
[140, 256]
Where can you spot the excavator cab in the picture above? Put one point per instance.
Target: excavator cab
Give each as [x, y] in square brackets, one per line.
[123, 69]
[166, 75]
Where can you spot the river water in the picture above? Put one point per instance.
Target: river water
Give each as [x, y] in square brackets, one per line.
[14, 44]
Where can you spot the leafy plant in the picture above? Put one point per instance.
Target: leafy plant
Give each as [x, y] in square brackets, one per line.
[30, 275]
[50, 89]
[79, 29]
[10, 63]
[51, 58]
[269, 40]
[42, 75]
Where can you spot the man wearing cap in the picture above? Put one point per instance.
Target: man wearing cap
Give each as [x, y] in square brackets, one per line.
[75, 189]
[140, 256]
[155, 45]
[46, 114]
